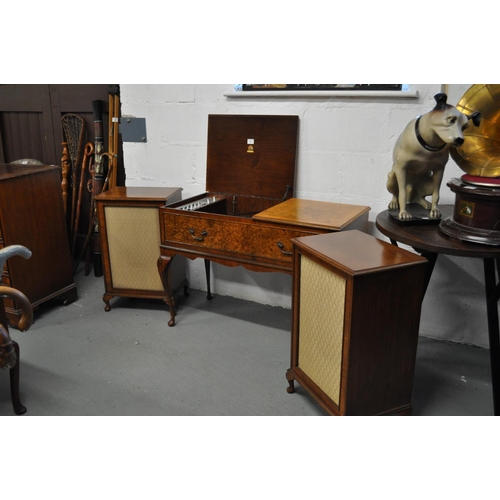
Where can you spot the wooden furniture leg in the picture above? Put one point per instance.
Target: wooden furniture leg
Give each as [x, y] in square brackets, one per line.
[431, 262]
[9, 358]
[19, 408]
[106, 298]
[207, 274]
[291, 386]
[492, 296]
[431, 259]
[164, 270]
[9, 350]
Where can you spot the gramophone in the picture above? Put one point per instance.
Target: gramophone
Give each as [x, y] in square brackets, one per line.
[476, 215]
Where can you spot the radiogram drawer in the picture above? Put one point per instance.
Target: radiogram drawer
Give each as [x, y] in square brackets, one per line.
[234, 235]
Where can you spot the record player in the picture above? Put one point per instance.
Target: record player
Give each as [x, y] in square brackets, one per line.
[248, 213]
[476, 216]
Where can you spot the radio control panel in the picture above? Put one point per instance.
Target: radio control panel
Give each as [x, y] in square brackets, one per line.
[201, 203]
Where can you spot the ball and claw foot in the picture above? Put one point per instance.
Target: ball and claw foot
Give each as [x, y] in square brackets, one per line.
[291, 387]
[106, 300]
[19, 409]
[172, 321]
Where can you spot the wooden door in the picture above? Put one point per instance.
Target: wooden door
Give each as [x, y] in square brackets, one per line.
[26, 125]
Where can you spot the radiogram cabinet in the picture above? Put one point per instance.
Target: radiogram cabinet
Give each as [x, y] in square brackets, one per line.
[32, 215]
[356, 313]
[248, 214]
[130, 242]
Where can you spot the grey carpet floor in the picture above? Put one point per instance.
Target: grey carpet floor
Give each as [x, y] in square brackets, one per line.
[224, 357]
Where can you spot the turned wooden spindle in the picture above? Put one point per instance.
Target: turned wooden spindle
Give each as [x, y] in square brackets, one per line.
[65, 172]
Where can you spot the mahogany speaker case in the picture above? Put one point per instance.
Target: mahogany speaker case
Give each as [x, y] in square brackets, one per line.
[356, 315]
[130, 241]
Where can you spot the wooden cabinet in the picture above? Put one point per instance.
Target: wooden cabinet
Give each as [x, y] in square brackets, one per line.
[259, 243]
[130, 241]
[356, 313]
[32, 215]
[248, 215]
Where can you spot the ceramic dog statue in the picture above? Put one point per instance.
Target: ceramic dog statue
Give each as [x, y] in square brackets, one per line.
[420, 156]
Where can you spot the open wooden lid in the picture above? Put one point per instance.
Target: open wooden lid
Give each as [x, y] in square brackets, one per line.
[252, 155]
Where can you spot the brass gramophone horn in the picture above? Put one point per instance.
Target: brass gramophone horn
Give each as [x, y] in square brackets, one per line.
[480, 153]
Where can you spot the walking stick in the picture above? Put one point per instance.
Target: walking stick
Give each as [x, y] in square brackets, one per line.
[87, 154]
[97, 185]
[114, 131]
[74, 129]
[64, 173]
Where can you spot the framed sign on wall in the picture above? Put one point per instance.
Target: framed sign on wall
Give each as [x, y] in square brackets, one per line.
[321, 86]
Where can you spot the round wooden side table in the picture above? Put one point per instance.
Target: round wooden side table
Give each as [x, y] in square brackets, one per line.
[429, 242]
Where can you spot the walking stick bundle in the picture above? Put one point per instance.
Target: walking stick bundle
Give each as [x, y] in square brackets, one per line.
[101, 179]
[74, 131]
[87, 157]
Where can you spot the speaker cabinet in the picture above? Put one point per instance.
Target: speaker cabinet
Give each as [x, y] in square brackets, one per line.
[356, 313]
[129, 228]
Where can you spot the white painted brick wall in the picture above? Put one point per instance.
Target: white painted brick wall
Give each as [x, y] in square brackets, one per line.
[345, 151]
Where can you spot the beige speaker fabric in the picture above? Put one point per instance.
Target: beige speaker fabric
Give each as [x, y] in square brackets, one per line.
[322, 305]
[134, 247]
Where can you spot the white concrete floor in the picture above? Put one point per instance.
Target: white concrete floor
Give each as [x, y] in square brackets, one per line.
[223, 357]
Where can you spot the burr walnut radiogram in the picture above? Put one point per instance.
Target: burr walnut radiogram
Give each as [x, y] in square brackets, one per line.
[248, 214]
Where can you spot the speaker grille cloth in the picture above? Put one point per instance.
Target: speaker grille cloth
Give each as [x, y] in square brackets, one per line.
[134, 247]
[322, 304]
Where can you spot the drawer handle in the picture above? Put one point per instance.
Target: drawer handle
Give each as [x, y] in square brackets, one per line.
[281, 247]
[201, 238]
